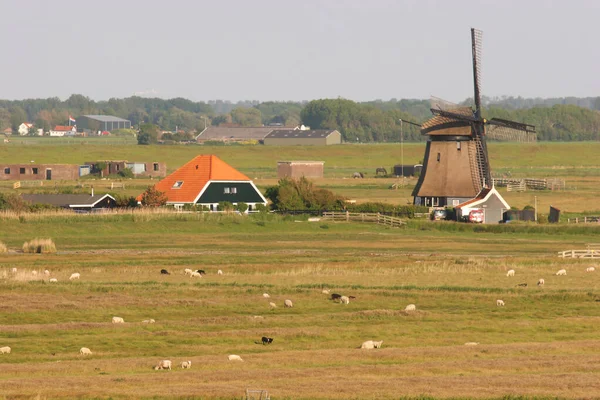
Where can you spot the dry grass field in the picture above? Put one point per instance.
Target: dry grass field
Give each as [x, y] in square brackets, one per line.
[544, 343]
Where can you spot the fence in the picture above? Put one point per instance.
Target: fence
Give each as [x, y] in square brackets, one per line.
[20, 184]
[376, 218]
[590, 253]
[521, 185]
[584, 220]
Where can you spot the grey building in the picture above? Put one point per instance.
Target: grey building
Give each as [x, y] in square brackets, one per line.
[95, 123]
[315, 137]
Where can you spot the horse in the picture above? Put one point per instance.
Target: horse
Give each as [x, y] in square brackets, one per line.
[382, 170]
[358, 175]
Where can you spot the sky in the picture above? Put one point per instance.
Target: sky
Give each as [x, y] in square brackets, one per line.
[297, 49]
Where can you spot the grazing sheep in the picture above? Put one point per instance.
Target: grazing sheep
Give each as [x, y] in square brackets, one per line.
[219, 272]
[345, 300]
[500, 303]
[234, 357]
[266, 340]
[14, 270]
[118, 320]
[266, 295]
[511, 272]
[5, 349]
[590, 269]
[148, 321]
[46, 272]
[272, 305]
[471, 343]
[201, 271]
[335, 296]
[325, 291]
[186, 365]
[53, 280]
[164, 272]
[188, 271]
[410, 307]
[288, 303]
[75, 275]
[195, 274]
[34, 273]
[371, 344]
[84, 351]
[164, 364]
[561, 272]
[541, 282]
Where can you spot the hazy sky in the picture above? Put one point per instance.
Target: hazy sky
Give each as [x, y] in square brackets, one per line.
[297, 49]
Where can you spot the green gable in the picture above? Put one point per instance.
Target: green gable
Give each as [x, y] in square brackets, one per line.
[216, 192]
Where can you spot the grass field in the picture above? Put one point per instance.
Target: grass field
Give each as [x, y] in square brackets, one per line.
[543, 344]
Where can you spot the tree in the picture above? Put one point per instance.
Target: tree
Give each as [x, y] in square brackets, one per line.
[154, 198]
[246, 116]
[148, 134]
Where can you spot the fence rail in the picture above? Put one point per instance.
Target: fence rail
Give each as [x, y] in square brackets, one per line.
[376, 218]
[521, 185]
[583, 220]
[20, 184]
[589, 253]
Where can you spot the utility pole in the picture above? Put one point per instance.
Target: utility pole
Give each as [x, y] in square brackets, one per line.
[402, 152]
[535, 206]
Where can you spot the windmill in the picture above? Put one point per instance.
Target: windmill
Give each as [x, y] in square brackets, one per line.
[456, 165]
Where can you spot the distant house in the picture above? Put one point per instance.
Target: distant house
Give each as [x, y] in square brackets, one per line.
[488, 200]
[207, 180]
[7, 131]
[100, 123]
[80, 202]
[40, 172]
[291, 137]
[62, 130]
[234, 133]
[24, 128]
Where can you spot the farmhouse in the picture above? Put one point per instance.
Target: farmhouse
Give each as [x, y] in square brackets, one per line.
[100, 123]
[298, 169]
[488, 200]
[24, 128]
[60, 130]
[207, 180]
[290, 137]
[79, 202]
[37, 172]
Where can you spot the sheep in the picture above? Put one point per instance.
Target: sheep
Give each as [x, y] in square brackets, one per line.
[266, 295]
[219, 272]
[5, 349]
[14, 270]
[272, 305]
[118, 320]
[500, 303]
[561, 272]
[201, 271]
[75, 275]
[186, 365]
[164, 272]
[34, 273]
[590, 269]
[195, 274]
[288, 303]
[511, 272]
[53, 280]
[164, 364]
[188, 271]
[345, 300]
[84, 351]
[148, 321]
[471, 343]
[234, 357]
[371, 344]
[46, 272]
[410, 307]
[541, 282]
[325, 291]
[335, 296]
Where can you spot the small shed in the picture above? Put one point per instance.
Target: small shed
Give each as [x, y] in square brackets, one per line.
[488, 200]
[408, 170]
[297, 169]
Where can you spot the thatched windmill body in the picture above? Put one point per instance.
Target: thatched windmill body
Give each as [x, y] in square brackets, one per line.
[456, 166]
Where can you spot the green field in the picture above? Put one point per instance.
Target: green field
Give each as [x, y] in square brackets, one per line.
[543, 343]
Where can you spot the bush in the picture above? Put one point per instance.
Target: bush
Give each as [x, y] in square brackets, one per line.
[261, 208]
[3, 248]
[39, 246]
[126, 173]
[225, 206]
[241, 207]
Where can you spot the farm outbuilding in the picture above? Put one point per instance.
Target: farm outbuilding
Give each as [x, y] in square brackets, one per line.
[112, 167]
[490, 201]
[408, 170]
[77, 202]
[39, 172]
[292, 137]
[100, 123]
[298, 169]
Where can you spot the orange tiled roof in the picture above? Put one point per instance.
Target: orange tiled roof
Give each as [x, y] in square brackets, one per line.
[60, 128]
[195, 174]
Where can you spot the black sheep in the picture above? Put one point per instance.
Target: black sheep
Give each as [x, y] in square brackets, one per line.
[267, 340]
[164, 272]
[335, 296]
[201, 272]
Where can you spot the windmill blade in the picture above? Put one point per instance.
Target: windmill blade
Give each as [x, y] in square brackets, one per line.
[510, 131]
[465, 114]
[476, 41]
[410, 122]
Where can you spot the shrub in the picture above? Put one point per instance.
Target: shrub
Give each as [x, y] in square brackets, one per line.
[225, 206]
[154, 198]
[3, 248]
[126, 173]
[261, 208]
[241, 207]
[39, 246]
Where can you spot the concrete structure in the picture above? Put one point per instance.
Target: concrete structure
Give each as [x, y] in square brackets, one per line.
[39, 172]
[488, 200]
[149, 169]
[24, 128]
[78, 202]
[61, 130]
[297, 169]
[96, 123]
[291, 137]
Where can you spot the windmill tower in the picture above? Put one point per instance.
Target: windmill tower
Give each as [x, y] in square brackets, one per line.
[456, 165]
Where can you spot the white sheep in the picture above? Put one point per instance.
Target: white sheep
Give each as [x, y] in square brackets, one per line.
[219, 272]
[272, 305]
[186, 365]
[84, 351]
[195, 274]
[46, 272]
[471, 343]
[14, 270]
[188, 271]
[371, 344]
[75, 275]
[5, 349]
[164, 364]
[266, 295]
[590, 269]
[288, 303]
[325, 291]
[53, 280]
[34, 273]
[410, 307]
[345, 300]
[541, 282]
[500, 303]
[118, 320]
[148, 321]
[234, 357]
[511, 272]
[561, 272]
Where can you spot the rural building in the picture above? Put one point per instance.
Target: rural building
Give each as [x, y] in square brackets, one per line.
[149, 169]
[61, 130]
[488, 200]
[79, 202]
[297, 169]
[24, 128]
[234, 133]
[291, 137]
[38, 172]
[7, 131]
[207, 180]
[408, 170]
[100, 123]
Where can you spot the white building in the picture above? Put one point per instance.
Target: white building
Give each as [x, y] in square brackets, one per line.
[61, 130]
[24, 128]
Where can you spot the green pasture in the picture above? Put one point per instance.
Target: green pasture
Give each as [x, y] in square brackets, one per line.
[454, 273]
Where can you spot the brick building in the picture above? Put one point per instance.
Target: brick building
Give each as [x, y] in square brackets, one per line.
[38, 172]
[149, 169]
[297, 169]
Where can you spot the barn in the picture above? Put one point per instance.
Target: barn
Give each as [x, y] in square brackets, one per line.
[298, 169]
[101, 123]
[297, 137]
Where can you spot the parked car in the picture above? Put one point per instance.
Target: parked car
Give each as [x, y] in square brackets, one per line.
[439, 214]
[476, 216]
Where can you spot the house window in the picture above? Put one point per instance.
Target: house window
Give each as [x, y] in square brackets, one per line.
[438, 157]
[226, 190]
[233, 190]
[177, 184]
[156, 166]
[7, 171]
[21, 170]
[458, 146]
[455, 202]
[34, 171]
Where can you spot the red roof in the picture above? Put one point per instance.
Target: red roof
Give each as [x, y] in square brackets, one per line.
[194, 176]
[63, 128]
